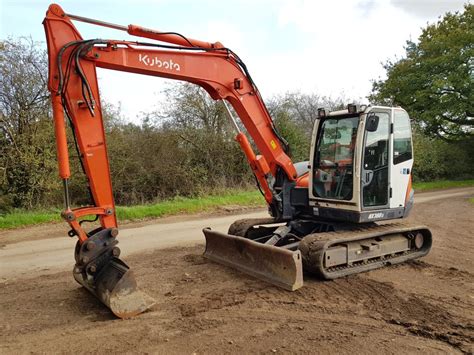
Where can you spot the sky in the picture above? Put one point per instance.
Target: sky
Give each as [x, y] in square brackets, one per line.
[327, 47]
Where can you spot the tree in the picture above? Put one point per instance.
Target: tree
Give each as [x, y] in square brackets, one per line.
[294, 114]
[303, 108]
[190, 106]
[434, 82]
[204, 132]
[27, 153]
[436, 159]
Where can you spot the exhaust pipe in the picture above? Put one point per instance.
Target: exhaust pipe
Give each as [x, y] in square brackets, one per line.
[99, 269]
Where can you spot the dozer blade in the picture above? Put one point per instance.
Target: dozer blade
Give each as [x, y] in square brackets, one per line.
[278, 266]
[100, 271]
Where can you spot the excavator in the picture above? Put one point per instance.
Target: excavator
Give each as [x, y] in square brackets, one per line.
[328, 216]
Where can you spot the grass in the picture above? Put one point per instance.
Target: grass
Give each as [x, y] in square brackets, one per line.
[471, 200]
[190, 205]
[20, 218]
[441, 184]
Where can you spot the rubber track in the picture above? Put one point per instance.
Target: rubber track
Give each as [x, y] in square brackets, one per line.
[314, 246]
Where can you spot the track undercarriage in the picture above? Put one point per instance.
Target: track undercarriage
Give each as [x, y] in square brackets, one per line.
[280, 252]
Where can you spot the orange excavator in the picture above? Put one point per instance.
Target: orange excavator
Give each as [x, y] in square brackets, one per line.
[325, 213]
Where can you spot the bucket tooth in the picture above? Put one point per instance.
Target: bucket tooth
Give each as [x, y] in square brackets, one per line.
[278, 266]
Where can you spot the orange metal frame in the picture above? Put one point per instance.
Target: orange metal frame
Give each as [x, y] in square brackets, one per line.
[217, 71]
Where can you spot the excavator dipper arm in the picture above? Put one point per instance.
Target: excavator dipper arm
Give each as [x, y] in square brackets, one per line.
[74, 92]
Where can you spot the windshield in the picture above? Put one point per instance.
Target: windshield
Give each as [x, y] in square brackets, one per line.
[333, 161]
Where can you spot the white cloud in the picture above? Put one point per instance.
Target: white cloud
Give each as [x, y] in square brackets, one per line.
[343, 47]
[338, 47]
[135, 93]
[429, 8]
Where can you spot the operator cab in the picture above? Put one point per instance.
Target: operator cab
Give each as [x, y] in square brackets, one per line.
[360, 164]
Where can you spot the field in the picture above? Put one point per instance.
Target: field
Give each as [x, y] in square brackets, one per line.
[424, 306]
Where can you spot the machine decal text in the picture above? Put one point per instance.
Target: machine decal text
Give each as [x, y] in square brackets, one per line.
[375, 215]
[157, 62]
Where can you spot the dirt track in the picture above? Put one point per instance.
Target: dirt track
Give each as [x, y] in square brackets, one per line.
[424, 306]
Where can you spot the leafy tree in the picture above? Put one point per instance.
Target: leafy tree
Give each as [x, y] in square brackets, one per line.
[435, 81]
[298, 141]
[189, 106]
[27, 153]
[302, 108]
[294, 114]
[203, 131]
[436, 159]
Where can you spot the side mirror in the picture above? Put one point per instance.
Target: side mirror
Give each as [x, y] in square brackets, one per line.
[372, 123]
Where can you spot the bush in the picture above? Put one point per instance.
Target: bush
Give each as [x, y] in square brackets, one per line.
[436, 159]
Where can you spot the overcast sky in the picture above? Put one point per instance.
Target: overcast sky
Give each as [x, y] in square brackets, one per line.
[325, 47]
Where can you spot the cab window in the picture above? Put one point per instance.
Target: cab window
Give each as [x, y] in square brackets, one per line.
[401, 137]
[333, 162]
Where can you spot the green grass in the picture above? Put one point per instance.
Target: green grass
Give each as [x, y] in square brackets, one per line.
[19, 218]
[190, 205]
[471, 200]
[441, 184]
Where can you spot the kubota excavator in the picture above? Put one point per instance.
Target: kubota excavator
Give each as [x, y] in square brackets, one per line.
[325, 212]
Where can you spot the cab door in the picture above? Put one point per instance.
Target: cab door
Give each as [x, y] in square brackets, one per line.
[402, 158]
[375, 173]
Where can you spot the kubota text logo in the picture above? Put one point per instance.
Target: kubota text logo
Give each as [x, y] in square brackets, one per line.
[160, 63]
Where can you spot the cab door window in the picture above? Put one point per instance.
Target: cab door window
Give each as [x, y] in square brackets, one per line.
[375, 181]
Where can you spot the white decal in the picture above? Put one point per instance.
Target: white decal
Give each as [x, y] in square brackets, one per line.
[375, 215]
[160, 63]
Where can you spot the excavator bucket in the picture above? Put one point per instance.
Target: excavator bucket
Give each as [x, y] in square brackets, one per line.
[100, 271]
[117, 288]
[278, 266]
